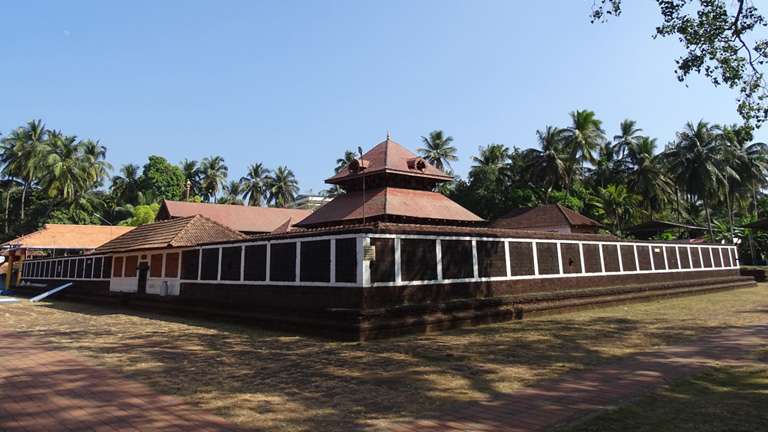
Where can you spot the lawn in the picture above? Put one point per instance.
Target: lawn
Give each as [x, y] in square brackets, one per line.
[732, 399]
[277, 381]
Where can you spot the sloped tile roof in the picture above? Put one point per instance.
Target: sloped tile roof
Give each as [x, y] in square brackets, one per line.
[389, 156]
[389, 201]
[180, 232]
[249, 219]
[543, 216]
[67, 236]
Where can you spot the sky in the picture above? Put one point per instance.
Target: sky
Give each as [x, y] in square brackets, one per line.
[297, 83]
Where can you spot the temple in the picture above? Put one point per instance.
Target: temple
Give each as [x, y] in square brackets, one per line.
[388, 256]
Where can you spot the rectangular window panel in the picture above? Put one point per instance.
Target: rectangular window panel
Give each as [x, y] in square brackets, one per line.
[685, 261]
[88, 271]
[706, 256]
[671, 257]
[611, 257]
[383, 268]
[521, 258]
[190, 262]
[571, 256]
[230, 263]
[156, 265]
[547, 256]
[658, 257]
[118, 267]
[282, 262]
[172, 265]
[491, 259]
[695, 257]
[316, 261]
[628, 257]
[346, 260]
[98, 262]
[80, 268]
[418, 259]
[456, 259]
[131, 265]
[255, 263]
[72, 272]
[209, 269]
[106, 272]
[718, 262]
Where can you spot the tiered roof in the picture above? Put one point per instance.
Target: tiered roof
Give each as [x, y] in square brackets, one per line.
[543, 216]
[389, 184]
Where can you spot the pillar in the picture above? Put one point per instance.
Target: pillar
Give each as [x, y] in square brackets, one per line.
[9, 272]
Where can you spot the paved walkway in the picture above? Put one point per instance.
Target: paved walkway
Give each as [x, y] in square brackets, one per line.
[45, 389]
[575, 395]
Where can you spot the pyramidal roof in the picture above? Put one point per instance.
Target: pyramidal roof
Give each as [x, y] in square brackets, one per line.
[391, 157]
[180, 232]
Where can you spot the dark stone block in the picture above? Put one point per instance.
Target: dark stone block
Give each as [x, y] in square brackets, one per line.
[644, 257]
[316, 261]
[658, 257]
[628, 258]
[456, 259]
[685, 260]
[571, 256]
[611, 258]
[671, 257]
[547, 257]
[521, 258]
[592, 258]
[383, 269]
[491, 259]
[418, 259]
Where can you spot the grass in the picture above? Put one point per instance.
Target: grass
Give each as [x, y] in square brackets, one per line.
[720, 399]
[277, 381]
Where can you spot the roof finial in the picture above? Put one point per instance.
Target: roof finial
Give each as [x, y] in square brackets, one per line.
[389, 138]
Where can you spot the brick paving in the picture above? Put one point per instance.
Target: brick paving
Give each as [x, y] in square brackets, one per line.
[45, 389]
[577, 394]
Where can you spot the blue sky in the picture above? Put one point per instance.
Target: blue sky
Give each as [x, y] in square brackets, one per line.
[297, 82]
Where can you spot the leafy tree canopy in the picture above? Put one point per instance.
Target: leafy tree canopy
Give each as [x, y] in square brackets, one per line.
[722, 40]
[162, 179]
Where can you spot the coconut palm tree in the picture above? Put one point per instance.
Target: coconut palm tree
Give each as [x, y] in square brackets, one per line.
[548, 167]
[213, 174]
[125, 186]
[695, 160]
[583, 136]
[191, 176]
[95, 156]
[628, 135]
[647, 177]
[282, 187]
[341, 162]
[233, 192]
[66, 173]
[21, 155]
[254, 184]
[438, 150]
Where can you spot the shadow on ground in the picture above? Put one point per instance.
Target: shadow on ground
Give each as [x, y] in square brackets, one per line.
[277, 381]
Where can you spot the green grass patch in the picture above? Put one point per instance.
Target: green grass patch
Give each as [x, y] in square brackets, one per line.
[720, 399]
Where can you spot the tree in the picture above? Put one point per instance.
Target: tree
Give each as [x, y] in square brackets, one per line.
[695, 163]
[583, 137]
[95, 156]
[282, 187]
[125, 187]
[142, 214]
[342, 162]
[618, 205]
[213, 174]
[719, 41]
[232, 193]
[162, 179]
[647, 177]
[438, 150]
[549, 168]
[254, 184]
[22, 151]
[191, 177]
[628, 136]
[66, 175]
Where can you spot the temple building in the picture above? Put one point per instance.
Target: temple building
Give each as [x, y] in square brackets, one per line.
[549, 218]
[387, 257]
[248, 220]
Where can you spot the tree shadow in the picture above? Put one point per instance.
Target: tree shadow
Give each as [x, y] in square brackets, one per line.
[271, 380]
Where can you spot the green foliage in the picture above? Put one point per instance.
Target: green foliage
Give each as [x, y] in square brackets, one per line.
[720, 41]
[162, 179]
[142, 214]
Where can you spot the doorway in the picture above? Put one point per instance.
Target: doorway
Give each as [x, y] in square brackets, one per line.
[143, 273]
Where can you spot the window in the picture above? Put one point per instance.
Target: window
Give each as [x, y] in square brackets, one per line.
[97, 264]
[117, 269]
[172, 265]
[106, 272]
[79, 271]
[131, 263]
[255, 263]
[190, 264]
[210, 264]
[156, 266]
[230, 263]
